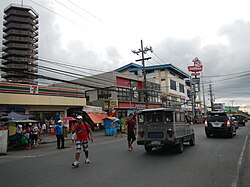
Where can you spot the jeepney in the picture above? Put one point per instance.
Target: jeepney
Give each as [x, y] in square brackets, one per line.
[161, 127]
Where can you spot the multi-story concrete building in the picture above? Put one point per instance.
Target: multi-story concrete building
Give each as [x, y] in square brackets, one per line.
[171, 79]
[120, 92]
[20, 40]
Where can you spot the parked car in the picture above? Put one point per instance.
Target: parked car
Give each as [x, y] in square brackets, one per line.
[219, 123]
[235, 122]
[162, 127]
[240, 119]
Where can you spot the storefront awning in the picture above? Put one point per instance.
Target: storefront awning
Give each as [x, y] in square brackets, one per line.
[97, 118]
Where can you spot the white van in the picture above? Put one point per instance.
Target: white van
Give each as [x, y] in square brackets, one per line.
[160, 127]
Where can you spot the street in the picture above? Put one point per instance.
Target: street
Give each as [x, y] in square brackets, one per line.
[211, 162]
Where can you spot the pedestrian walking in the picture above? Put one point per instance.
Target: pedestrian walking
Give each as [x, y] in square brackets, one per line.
[27, 134]
[44, 129]
[131, 131]
[83, 132]
[118, 128]
[59, 134]
[34, 135]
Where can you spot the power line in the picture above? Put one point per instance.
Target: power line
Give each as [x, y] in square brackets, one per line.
[71, 9]
[92, 15]
[227, 74]
[75, 75]
[59, 15]
[76, 68]
[230, 78]
[159, 57]
[68, 64]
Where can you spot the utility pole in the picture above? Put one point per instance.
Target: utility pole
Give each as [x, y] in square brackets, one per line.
[143, 51]
[204, 99]
[193, 95]
[211, 97]
[232, 101]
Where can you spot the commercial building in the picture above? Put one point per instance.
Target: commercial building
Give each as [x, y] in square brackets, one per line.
[20, 43]
[120, 94]
[173, 88]
[43, 101]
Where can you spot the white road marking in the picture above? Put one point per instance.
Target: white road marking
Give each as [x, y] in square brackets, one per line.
[239, 164]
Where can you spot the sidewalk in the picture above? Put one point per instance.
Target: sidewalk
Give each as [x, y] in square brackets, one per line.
[97, 135]
[48, 138]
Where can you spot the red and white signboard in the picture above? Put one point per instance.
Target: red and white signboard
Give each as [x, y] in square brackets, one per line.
[195, 74]
[197, 67]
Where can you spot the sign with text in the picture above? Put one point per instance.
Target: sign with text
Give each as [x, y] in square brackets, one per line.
[195, 74]
[197, 67]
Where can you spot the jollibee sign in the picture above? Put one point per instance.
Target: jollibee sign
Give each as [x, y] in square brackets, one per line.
[197, 67]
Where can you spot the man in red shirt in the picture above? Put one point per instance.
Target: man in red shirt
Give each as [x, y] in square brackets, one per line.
[82, 131]
[131, 131]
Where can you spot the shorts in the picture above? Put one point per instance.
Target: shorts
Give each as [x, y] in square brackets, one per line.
[131, 136]
[82, 143]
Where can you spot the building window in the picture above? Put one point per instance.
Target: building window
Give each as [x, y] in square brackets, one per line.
[173, 101]
[181, 88]
[153, 96]
[172, 85]
[123, 94]
[103, 94]
[182, 101]
[163, 74]
[163, 86]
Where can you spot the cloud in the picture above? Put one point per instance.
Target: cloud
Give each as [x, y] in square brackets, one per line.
[218, 59]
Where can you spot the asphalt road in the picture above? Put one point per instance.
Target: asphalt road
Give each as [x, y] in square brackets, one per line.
[211, 162]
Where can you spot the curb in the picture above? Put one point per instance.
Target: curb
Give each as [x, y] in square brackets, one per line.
[53, 141]
[241, 164]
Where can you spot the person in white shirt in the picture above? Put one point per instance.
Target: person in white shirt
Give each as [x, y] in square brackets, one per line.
[44, 129]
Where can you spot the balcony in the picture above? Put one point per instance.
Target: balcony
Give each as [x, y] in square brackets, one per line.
[20, 60]
[18, 53]
[20, 46]
[20, 33]
[19, 27]
[20, 20]
[19, 13]
[23, 80]
[19, 74]
[20, 40]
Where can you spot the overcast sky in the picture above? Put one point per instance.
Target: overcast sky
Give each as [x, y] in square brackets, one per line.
[101, 34]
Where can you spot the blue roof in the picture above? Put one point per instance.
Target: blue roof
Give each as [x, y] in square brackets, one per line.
[163, 66]
[128, 66]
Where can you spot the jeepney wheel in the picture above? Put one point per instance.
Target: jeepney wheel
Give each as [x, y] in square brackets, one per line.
[192, 141]
[148, 148]
[180, 147]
